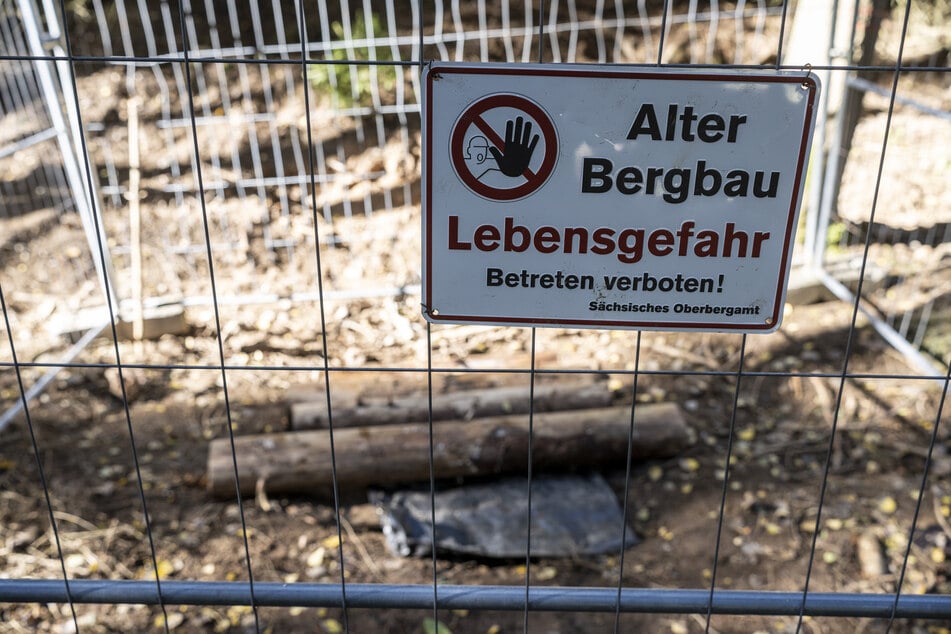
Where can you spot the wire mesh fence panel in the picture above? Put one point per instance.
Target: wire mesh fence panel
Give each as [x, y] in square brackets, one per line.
[248, 89]
[208, 464]
[30, 184]
[910, 217]
[908, 213]
[39, 199]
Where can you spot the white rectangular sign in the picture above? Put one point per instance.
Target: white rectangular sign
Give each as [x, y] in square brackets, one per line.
[594, 196]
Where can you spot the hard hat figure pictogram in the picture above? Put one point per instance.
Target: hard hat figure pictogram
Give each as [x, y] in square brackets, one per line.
[504, 147]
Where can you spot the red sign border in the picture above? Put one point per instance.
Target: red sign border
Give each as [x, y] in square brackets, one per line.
[771, 323]
[474, 111]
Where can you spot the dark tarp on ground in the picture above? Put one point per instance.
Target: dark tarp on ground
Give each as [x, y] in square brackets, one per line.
[572, 515]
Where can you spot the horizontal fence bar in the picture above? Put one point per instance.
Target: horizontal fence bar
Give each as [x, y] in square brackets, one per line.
[308, 296]
[453, 597]
[54, 369]
[913, 356]
[241, 53]
[22, 144]
[776, 374]
[150, 61]
[867, 86]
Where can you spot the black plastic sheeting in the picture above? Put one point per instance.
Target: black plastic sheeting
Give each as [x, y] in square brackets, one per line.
[571, 515]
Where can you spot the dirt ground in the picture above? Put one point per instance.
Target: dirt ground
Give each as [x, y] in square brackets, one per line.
[780, 444]
[781, 415]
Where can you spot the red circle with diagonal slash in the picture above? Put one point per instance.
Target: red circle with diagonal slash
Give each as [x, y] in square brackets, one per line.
[473, 116]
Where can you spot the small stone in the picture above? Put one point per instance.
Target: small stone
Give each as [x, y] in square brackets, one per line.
[316, 558]
[871, 556]
[135, 380]
[547, 573]
[175, 619]
[834, 524]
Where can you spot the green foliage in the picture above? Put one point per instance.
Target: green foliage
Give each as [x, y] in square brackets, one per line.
[352, 84]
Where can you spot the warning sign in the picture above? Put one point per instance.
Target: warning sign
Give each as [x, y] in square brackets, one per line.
[504, 147]
[598, 197]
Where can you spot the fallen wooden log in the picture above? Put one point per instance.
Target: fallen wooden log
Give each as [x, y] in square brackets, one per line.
[299, 462]
[464, 405]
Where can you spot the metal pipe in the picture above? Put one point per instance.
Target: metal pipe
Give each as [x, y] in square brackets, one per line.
[37, 388]
[303, 296]
[867, 86]
[68, 132]
[22, 144]
[912, 355]
[454, 597]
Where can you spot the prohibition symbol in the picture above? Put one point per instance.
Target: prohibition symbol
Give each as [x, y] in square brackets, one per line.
[504, 147]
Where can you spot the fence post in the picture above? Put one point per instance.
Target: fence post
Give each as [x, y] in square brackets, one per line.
[808, 20]
[73, 161]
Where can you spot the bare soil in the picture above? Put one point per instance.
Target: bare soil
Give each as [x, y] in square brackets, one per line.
[781, 440]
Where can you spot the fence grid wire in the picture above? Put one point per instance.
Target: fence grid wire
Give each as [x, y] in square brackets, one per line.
[237, 164]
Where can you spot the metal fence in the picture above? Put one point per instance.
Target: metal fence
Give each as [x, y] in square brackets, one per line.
[262, 163]
[43, 180]
[840, 209]
[276, 171]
